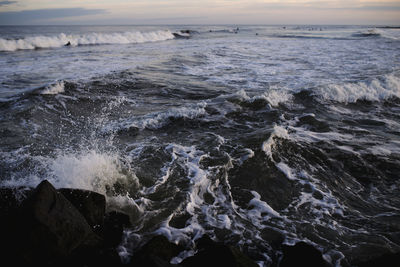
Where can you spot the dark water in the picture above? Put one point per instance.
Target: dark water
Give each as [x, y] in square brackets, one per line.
[256, 137]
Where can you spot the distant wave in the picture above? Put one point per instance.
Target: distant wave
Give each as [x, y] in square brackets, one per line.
[37, 42]
[298, 36]
[368, 33]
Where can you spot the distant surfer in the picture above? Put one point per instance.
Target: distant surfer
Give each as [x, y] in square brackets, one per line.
[68, 44]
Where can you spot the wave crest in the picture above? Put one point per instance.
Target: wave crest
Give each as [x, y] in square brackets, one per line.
[54, 89]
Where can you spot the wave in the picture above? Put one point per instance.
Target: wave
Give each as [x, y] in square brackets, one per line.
[36, 42]
[378, 89]
[273, 97]
[157, 120]
[297, 36]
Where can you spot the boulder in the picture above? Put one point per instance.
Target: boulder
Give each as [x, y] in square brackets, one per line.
[113, 228]
[49, 228]
[157, 252]
[11, 198]
[211, 254]
[90, 204]
[302, 254]
[92, 257]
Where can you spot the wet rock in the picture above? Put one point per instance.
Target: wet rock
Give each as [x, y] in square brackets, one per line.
[158, 252]
[113, 228]
[48, 228]
[302, 254]
[90, 204]
[211, 253]
[273, 237]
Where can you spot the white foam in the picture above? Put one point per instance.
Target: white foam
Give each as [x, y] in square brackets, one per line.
[245, 154]
[276, 97]
[261, 208]
[283, 167]
[328, 205]
[375, 90]
[60, 40]
[54, 89]
[382, 150]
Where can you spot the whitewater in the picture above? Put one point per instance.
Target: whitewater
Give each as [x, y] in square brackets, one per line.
[258, 136]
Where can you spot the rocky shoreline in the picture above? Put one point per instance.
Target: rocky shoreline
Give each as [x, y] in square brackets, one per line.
[45, 226]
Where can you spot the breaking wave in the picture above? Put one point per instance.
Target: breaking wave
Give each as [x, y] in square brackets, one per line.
[378, 89]
[36, 42]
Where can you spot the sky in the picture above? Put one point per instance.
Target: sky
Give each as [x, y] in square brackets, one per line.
[150, 12]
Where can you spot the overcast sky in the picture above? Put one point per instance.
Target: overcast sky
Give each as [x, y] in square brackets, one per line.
[56, 12]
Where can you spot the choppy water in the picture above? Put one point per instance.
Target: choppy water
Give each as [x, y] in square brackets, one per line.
[260, 136]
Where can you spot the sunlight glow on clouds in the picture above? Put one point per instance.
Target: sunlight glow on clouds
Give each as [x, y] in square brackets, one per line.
[200, 12]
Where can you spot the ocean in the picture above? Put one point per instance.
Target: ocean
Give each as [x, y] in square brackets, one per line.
[255, 135]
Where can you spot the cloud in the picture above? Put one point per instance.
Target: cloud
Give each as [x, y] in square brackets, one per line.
[5, 3]
[380, 8]
[43, 15]
[328, 4]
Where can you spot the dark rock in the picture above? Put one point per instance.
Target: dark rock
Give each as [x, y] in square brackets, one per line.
[92, 257]
[114, 224]
[10, 201]
[387, 260]
[90, 204]
[302, 254]
[211, 254]
[158, 252]
[48, 228]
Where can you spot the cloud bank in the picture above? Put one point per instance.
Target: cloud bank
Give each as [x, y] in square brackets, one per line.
[42, 15]
[6, 3]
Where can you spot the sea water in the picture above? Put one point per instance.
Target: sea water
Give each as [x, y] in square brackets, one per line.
[244, 133]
